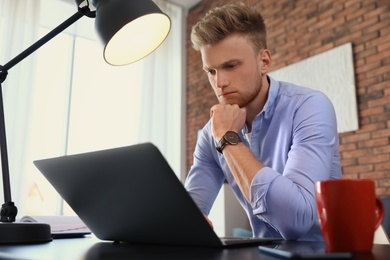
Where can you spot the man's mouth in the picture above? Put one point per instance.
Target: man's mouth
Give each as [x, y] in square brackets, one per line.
[227, 94]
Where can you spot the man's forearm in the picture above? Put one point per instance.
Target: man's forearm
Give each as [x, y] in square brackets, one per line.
[243, 166]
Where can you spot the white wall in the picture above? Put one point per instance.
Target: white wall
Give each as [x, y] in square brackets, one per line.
[331, 72]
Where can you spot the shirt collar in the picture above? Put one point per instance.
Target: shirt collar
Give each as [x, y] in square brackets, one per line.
[269, 105]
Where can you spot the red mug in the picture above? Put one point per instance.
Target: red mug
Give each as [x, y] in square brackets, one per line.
[349, 212]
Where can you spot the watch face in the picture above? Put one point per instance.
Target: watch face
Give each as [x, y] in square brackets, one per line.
[232, 137]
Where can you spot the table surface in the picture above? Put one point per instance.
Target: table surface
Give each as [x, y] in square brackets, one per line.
[92, 248]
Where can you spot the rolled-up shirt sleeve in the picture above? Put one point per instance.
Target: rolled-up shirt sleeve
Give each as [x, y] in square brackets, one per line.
[286, 199]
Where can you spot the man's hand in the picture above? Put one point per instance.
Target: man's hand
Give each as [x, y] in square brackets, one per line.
[209, 221]
[226, 117]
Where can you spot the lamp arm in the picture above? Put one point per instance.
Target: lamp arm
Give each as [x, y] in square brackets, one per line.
[80, 13]
[9, 210]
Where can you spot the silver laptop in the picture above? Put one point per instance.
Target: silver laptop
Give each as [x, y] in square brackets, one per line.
[130, 194]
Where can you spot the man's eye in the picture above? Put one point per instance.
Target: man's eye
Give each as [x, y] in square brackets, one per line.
[230, 66]
[211, 72]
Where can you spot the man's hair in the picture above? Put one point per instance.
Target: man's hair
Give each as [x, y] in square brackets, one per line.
[229, 19]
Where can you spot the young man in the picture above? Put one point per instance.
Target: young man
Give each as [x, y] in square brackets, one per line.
[270, 140]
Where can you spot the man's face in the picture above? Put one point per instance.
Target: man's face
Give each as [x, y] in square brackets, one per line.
[233, 69]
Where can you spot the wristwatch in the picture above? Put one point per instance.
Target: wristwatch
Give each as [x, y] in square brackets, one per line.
[229, 138]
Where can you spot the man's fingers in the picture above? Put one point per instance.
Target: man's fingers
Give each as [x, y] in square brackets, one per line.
[209, 221]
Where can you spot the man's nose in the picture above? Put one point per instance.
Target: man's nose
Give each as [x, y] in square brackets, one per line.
[221, 80]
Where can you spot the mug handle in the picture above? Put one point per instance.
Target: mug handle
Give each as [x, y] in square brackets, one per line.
[379, 212]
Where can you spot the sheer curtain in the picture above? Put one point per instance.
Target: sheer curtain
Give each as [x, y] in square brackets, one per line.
[19, 21]
[162, 96]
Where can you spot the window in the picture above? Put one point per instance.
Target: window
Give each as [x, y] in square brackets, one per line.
[79, 103]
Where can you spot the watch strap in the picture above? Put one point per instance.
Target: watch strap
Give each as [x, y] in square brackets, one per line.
[221, 144]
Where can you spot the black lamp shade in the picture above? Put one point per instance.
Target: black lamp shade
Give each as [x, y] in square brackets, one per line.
[129, 29]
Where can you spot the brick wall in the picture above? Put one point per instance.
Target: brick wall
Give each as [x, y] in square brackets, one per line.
[298, 29]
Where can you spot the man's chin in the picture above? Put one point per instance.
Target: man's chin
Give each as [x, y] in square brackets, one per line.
[229, 102]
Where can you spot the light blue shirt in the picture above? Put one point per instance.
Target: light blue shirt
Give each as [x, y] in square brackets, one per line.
[295, 137]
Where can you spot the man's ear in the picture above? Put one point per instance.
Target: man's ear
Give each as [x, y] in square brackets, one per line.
[265, 60]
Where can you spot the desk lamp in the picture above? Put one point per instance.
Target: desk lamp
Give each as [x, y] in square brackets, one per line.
[129, 31]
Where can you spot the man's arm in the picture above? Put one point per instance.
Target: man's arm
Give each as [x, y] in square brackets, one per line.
[288, 199]
[205, 177]
[242, 164]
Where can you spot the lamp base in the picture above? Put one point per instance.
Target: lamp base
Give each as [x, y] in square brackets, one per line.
[24, 233]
